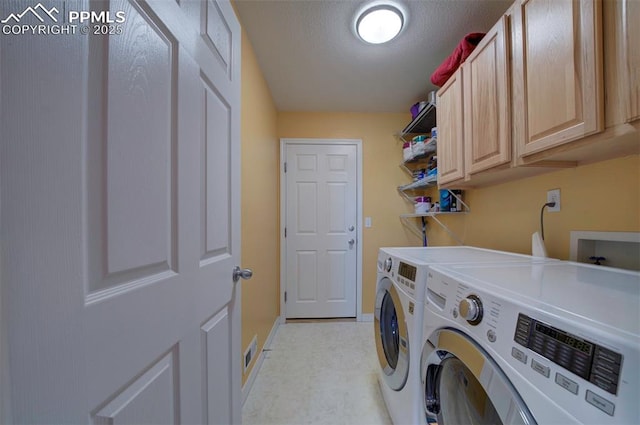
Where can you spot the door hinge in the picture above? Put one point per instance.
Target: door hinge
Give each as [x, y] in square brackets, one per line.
[285, 167]
[285, 232]
[285, 296]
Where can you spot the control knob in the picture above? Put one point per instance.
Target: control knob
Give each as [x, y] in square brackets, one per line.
[471, 309]
[388, 264]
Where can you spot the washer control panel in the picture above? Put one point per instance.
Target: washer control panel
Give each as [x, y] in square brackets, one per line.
[388, 264]
[470, 309]
[409, 276]
[407, 271]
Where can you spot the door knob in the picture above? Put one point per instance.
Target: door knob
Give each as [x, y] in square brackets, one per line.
[351, 228]
[241, 273]
[351, 242]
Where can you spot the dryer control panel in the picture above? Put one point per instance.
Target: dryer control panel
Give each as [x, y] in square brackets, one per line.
[547, 351]
[588, 360]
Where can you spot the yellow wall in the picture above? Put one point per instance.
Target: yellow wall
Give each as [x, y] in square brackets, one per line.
[260, 221]
[599, 197]
[382, 154]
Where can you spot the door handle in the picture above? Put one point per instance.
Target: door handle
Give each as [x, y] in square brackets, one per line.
[241, 273]
[351, 228]
[351, 242]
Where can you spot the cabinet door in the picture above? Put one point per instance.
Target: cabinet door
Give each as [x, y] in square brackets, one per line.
[557, 72]
[622, 60]
[450, 131]
[487, 121]
[632, 45]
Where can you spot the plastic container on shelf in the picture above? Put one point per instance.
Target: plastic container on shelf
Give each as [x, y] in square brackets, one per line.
[430, 145]
[423, 204]
[445, 200]
[432, 97]
[449, 200]
[417, 107]
[418, 145]
[455, 201]
[407, 152]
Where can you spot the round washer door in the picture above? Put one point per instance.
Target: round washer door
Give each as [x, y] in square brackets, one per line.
[462, 384]
[392, 340]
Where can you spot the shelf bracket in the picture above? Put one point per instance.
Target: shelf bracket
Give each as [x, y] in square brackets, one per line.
[408, 198]
[422, 232]
[449, 232]
[466, 207]
[411, 225]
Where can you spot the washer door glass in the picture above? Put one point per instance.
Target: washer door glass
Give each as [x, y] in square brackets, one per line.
[392, 339]
[389, 331]
[462, 398]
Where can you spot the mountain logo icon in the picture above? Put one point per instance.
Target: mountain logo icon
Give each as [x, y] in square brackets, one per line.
[43, 11]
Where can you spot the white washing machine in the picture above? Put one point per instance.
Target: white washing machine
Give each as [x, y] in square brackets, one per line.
[401, 282]
[548, 343]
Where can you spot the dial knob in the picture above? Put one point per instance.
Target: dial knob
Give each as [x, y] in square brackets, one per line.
[388, 264]
[471, 309]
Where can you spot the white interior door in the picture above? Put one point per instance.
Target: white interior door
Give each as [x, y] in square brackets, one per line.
[321, 230]
[119, 182]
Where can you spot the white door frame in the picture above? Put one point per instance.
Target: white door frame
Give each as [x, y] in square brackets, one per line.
[284, 142]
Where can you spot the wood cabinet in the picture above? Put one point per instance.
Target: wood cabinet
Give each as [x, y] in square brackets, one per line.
[557, 72]
[621, 29]
[487, 117]
[631, 17]
[474, 125]
[451, 139]
[536, 95]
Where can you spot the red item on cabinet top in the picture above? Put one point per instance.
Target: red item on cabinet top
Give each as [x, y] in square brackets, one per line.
[461, 52]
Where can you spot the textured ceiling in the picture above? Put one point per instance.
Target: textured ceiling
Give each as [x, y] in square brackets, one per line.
[312, 61]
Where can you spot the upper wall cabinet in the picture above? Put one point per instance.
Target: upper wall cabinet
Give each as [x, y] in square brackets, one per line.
[621, 29]
[557, 72]
[632, 44]
[487, 118]
[532, 99]
[450, 131]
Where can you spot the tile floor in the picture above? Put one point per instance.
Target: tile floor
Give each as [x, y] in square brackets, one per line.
[318, 373]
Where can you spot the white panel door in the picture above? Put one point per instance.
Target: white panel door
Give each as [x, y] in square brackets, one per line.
[119, 182]
[321, 230]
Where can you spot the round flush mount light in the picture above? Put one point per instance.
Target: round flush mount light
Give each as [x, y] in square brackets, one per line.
[378, 23]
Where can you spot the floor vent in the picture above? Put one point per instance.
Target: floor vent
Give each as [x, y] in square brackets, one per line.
[250, 353]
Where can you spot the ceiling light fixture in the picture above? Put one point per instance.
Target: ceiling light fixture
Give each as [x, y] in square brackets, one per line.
[379, 23]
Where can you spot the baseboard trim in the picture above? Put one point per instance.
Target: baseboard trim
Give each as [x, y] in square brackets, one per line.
[366, 317]
[246, 388]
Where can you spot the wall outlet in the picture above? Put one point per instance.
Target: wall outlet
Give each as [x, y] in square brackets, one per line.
[553, 195]
[367, 222]
[250, 353]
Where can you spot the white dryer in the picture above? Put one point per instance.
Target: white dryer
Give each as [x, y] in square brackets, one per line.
[401, 282]
[548, 343]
